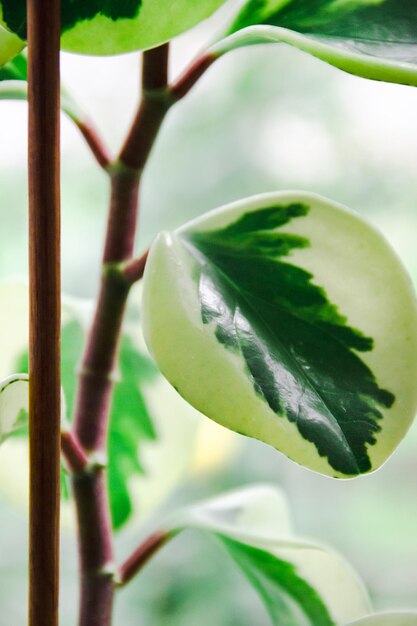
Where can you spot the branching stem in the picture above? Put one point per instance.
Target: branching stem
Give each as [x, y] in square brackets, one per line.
[119, 272]
[141, 555]
[73, 453]
[96, 375]
[94, 142]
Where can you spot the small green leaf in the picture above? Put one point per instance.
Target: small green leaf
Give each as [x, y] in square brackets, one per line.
[372, 39]
[16, 69]
[387, 619]
[14, 401]
[299, 582]
[130, 425]
[289, 319]
[130, 421]
[166, 460]
[10, 45]
[112, 27]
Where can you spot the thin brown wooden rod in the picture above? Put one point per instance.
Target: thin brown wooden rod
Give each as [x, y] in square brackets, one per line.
[44, 271]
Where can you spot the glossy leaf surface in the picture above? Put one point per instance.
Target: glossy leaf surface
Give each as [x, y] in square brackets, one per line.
[287, 318]
[371, 39]
[299, 582]
[14, 400]
[113, 27]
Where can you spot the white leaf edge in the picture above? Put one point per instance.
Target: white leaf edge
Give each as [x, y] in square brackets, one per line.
[362, 65]
[262, 520]
[196, 364]
[398, 618]
[14, 398]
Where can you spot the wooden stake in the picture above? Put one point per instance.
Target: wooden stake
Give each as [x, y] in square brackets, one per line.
[44, 351]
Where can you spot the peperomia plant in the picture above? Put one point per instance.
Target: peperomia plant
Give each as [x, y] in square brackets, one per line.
[284, 317]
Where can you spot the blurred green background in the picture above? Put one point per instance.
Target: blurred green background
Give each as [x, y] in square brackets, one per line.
[261, 119]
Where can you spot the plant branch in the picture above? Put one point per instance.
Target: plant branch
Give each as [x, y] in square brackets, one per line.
[95, 387]
[95, 548]
[94, 142]
[44, 27]
[192, 75]
[73, 453]
[96, 375]
[134, 270]
[143, 553]
[156, 101]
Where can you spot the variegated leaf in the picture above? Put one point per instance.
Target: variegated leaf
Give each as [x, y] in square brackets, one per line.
[372, 39]
[112, 27]
[288, 318]
[300, 583]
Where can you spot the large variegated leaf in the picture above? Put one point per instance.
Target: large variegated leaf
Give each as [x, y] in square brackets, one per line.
[288, 318]
[114, 26]
[13, 405]
[388, 619]
[300, 583]
[370, 38]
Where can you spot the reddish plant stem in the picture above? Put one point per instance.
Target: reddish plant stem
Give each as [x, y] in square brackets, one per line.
[91, 423]
[94, 142]
[143, 553]
[155, 68]
[152, 110]
[96, 375]
[44, 269]
[95, 548]
[191, 76]
[134, 270]
[73, 453]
